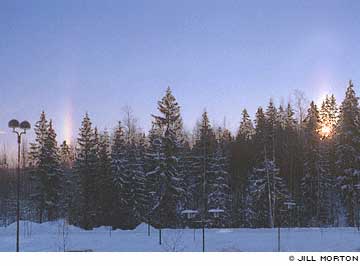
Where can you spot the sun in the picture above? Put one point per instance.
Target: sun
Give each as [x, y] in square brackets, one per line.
[325, 131]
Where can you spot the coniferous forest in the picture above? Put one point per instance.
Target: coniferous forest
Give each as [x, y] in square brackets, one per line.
[294, 165]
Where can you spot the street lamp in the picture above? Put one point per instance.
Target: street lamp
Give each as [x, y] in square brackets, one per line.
[23, 126]
[216, 212]
[290, 205]
[191, 214]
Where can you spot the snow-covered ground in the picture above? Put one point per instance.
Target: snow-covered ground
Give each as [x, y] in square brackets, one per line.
[53, 236]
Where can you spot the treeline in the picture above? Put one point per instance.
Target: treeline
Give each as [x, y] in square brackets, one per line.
[276, 171]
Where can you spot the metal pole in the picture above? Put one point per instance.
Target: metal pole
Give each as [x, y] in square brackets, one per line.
[279, 239]
[203, 237]
[160, 237]
[18, 197]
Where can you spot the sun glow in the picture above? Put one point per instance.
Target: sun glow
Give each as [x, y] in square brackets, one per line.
[325, 131]
[68, 125]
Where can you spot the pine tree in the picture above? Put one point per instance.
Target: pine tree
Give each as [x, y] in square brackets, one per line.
[189, 200]
[218, 178]
[246, 130]
[328, 116]
[54, 175]
[260, 134]
[271, 117]
[287, 149]
[268, 195]
[104, 181]
[282, 117]
[348, 154]
[241, 163]
[124, 208]
[118, 157]
[329, 209]
[45, 170]
[69, 184]
[86, 168]
[138, 176]
[202, 153]
[171, 189]
[65, 155]
[315, 183]
[154, 165]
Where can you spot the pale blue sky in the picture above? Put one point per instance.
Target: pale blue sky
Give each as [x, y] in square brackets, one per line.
[97, 56]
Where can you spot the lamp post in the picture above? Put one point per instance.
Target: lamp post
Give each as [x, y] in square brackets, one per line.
[290, 205]
[23, 126]
[191, 214]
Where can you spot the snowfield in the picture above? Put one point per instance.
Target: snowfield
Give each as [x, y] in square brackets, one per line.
[54, 236]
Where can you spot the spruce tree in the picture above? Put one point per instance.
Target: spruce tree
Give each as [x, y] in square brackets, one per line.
[329, 208]
[124, 205]
[104, 181]
[271, 118]
[315, 180]
[138, 176]
[154, 165]
[54, 175]
[246, 130]
[260, 134]
[202, 153]
[219, 194]
[348, 154]
[86, 170]
[268, 195]
[241, 163]
[45, 170]
[69, 183]
[171, 190]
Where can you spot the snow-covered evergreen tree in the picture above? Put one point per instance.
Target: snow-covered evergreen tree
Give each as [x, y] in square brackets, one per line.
[118, 157]
[69, 184]
[154, 164]
[268, 196]
[317, 181]
[246, 130]
[329, 206]
[45, 170]
[241, 163]
[201, 156]
[138, 176]
[328, 116]
[104, 182]
[260, 134]
[66, 157]
[348, 154]
[312, 172]
[271, 117]
[218, 191]
[171, 189]
[289, 157]
[54, 175]
[124, 209]
[86, 170]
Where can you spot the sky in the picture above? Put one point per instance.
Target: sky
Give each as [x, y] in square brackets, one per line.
[71, 57]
